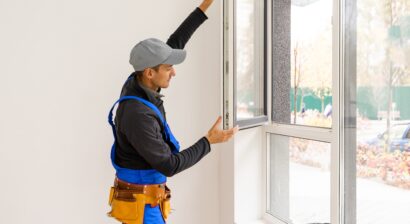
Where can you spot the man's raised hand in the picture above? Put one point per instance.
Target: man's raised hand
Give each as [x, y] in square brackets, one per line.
[205, 5]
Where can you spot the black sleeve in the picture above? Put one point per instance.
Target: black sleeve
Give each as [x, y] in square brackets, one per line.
[149, 143]
[184, 32]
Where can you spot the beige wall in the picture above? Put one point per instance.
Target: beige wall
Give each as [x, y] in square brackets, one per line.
[62, 64]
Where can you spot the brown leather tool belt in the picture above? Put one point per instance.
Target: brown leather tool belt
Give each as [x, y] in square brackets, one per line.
[157, 192]
[128, 200]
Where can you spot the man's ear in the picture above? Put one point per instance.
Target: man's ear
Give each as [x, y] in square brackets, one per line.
[147, 73]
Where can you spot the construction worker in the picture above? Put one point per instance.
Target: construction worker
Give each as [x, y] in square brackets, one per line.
[145, 152]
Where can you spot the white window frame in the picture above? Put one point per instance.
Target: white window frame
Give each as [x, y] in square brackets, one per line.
[333, 135]
[329, 135]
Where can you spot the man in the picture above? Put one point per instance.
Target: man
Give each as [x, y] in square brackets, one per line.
[145, 151]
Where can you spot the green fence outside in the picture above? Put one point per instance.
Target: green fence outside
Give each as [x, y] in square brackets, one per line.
[311, 101]
[371, 101]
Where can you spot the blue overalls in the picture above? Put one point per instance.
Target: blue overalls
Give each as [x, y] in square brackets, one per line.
[151, 215]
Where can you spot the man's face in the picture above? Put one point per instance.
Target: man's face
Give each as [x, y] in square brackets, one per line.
[162, 77]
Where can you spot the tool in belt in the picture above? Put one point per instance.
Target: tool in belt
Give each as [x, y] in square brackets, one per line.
[134, 189]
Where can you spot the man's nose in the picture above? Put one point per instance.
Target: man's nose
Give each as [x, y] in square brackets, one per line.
[173, 73]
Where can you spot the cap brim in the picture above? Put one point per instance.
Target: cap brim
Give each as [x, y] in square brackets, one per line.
[177, 56]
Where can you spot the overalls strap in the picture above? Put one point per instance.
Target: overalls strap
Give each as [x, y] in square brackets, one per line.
[141, 176]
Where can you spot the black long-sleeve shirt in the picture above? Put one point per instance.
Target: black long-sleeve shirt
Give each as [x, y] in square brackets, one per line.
[140, 133]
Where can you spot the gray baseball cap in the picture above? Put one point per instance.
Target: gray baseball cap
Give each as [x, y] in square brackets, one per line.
[152, 52]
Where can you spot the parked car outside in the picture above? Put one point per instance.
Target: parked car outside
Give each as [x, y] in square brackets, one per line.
[399, 138]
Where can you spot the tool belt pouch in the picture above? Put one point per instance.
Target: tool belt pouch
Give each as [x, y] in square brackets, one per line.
[166, 204]
[126, 206]
[166, 208]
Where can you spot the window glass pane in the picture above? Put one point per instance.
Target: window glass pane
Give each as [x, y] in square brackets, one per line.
[249, 58]
[299, 180]
[310, 84]
[383, 111]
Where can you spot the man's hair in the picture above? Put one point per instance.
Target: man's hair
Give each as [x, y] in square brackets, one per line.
[139, 73]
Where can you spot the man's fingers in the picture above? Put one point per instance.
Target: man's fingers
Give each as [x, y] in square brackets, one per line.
[228, 136]
[217, 123]
[222, 135]
[229, 132]
[236, 129]
[232, 130]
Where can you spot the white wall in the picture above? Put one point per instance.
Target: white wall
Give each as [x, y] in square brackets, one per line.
[62, 64]
[242, 178]
[248, 176]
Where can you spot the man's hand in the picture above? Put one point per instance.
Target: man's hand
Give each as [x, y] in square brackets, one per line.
[205, 5]
[216, 135]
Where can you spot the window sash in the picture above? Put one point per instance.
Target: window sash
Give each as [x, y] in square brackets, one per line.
[229, 69]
